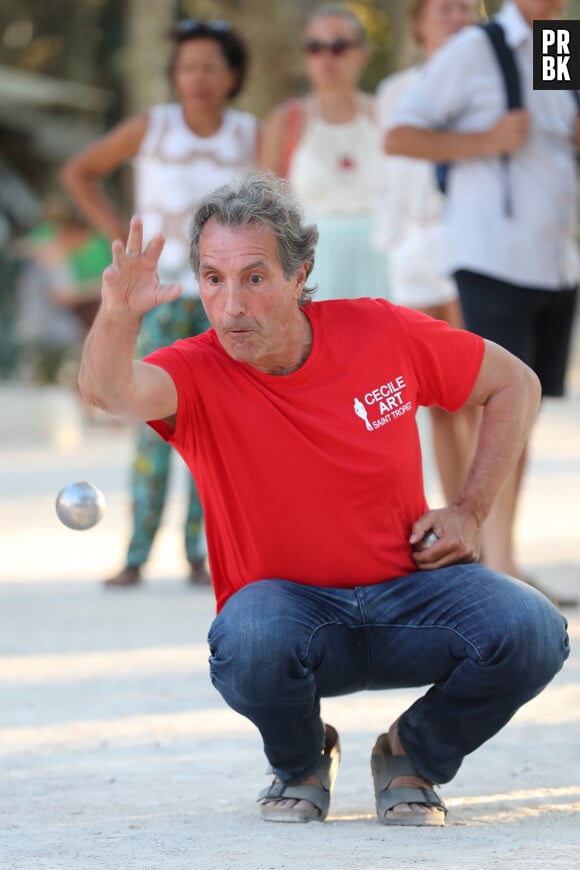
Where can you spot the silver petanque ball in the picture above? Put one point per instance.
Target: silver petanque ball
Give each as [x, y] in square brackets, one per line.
[428, 539]
[80, 505]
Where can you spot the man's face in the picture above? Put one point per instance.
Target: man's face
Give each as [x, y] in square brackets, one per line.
[540, 9]
[250, 303]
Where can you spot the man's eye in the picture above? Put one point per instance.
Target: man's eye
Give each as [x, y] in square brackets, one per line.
[212, 279]
[255, 279]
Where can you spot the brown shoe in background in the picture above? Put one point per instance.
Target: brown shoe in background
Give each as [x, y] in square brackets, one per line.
[129, 576]
[199, 575]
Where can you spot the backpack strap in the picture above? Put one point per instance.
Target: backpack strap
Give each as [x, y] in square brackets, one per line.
[507, 63]
[513, 96]
[512, 89]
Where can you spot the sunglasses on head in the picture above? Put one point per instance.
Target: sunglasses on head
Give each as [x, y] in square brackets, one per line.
[188, 26]
[337, 47]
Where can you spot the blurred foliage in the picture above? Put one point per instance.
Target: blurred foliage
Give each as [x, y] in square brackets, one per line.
[381, 31]
[65, 43]
[85, 40]
[65, 39]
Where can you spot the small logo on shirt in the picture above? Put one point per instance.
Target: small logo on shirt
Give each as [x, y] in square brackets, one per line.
[361, 411]
[382, 404]
[557, 55]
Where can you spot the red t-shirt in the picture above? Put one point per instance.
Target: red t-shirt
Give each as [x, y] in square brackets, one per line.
[316, 477]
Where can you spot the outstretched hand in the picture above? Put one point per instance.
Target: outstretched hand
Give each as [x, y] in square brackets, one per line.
[131, 283]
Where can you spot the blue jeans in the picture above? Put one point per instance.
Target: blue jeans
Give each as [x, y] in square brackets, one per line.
[485, 643]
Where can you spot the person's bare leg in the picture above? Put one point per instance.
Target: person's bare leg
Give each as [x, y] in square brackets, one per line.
[452, 446]
[452, 434]
[497, 534]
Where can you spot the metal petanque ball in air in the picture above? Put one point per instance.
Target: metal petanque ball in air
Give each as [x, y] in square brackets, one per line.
[80, 505]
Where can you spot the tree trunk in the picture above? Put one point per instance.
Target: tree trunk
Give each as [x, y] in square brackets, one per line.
[145, 60]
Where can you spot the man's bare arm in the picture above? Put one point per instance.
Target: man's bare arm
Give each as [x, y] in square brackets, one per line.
[441, 146]
[509, 394]
[110, 377]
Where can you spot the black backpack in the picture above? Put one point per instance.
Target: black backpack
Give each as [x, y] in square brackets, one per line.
[513, 97]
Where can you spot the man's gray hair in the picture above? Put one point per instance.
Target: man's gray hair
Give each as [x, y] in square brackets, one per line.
[259, 197]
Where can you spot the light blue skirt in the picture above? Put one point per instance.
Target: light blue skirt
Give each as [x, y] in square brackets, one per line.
[346, 266]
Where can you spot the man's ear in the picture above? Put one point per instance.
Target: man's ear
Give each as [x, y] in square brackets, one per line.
[300, 278]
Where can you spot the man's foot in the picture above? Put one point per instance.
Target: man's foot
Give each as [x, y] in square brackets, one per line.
[310, 800]
[291, 809]
[129, 576]
[408, 812]
[199, 575]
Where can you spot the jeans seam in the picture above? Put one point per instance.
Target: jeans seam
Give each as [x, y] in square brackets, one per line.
[457, 633]
[311, 638]
[366, 628]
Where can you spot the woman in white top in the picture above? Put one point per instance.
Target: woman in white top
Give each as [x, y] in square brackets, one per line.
[329, 147]
[180, 153]
[410, 228]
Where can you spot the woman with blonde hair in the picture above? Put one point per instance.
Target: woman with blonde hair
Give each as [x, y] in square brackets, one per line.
[329, 146]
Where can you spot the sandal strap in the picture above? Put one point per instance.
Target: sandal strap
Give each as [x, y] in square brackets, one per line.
[390, 797]
[326, 770]
[278, 791]
[385, 768]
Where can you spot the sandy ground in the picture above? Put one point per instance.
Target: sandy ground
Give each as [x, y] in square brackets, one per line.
[116, 751]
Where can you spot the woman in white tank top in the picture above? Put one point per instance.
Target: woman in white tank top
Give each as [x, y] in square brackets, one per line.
[175, 167]
[180, 153]
[329, 147]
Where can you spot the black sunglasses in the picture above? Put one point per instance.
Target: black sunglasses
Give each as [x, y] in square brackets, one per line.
[187, 26]
[337, 47]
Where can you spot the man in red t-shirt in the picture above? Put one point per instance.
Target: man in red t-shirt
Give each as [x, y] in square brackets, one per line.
[331, 573]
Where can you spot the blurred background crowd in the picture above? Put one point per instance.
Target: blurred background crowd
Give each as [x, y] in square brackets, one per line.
[69, 71]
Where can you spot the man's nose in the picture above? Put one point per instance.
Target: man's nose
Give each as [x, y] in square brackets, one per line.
[235, 300]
